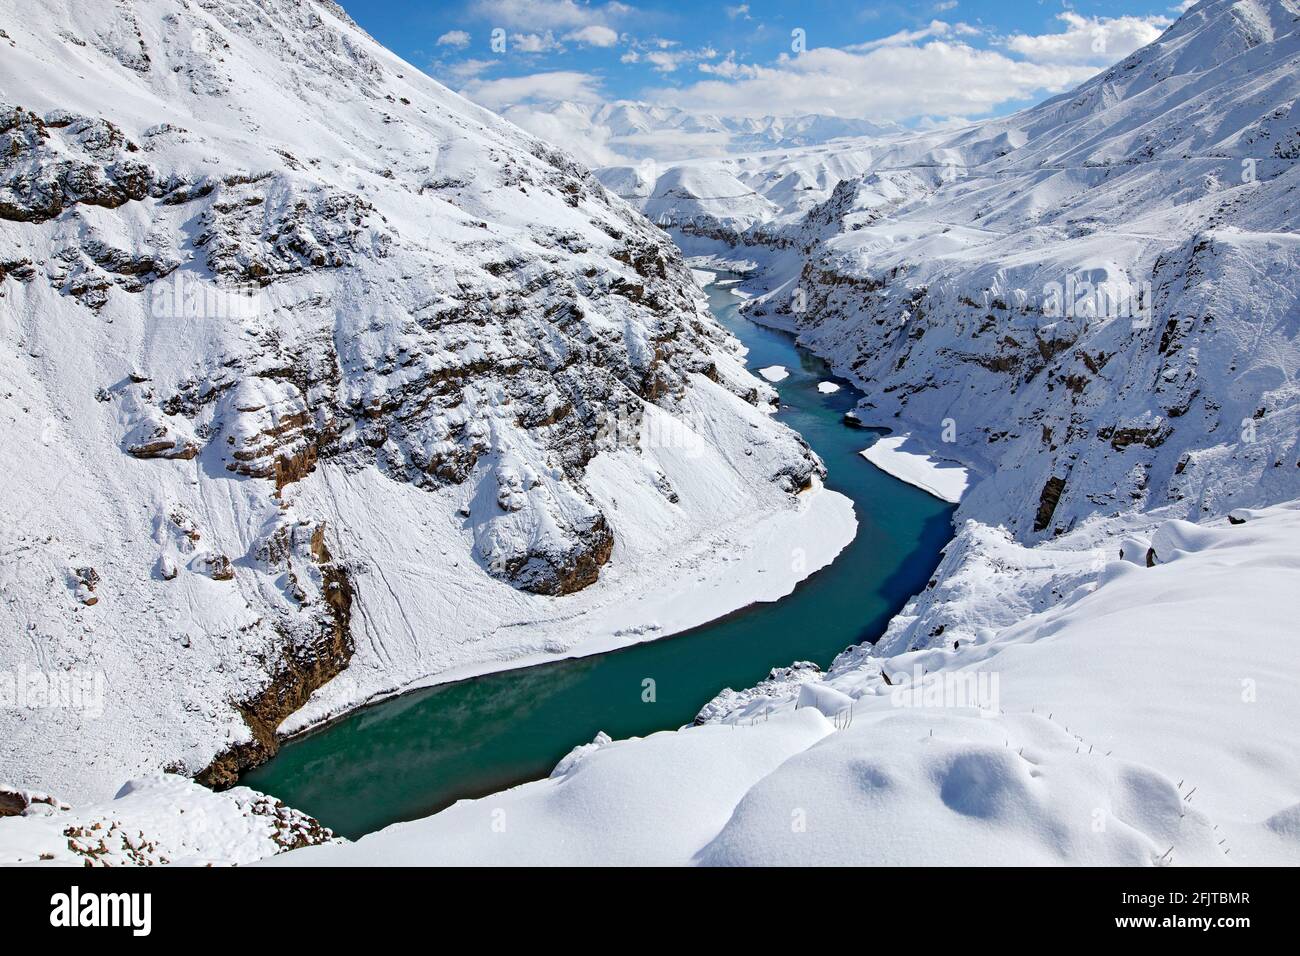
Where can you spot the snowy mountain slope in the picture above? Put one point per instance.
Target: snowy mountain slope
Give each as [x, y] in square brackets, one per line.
[1145, 719]
[1093, 302]
[314, 367]
[705, 195]
[1169, 382]
[1216, 84]
[779, 187]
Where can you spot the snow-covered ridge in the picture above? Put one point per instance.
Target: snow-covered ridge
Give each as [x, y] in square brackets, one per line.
[320, 381]
[739, 199]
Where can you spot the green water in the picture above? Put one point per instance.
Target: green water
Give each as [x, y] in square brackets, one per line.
[420, 752]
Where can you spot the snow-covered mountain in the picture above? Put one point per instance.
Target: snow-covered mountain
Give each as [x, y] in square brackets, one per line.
[605, 134]
[1094, 302]
[320, 380]
[739, 199]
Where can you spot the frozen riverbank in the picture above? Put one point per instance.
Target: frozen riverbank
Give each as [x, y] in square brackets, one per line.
[906, 459]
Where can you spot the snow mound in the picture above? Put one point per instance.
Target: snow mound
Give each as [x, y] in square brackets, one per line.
[646, 801]
[946, 790]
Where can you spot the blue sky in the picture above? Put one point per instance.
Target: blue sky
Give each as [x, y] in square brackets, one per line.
[907, 62]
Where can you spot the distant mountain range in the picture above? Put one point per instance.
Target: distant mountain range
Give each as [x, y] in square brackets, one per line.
[609, 134]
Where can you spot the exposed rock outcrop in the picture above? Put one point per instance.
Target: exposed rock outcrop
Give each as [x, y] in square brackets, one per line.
[314, 650]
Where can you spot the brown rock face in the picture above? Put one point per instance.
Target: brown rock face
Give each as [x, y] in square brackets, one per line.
[1047, 502]
[85, 581]
[308, 661]
[85, 161]
[22, 269]
[220, 568]
[1120, 438]
[162, 443]
[12, 803]
[583, 567]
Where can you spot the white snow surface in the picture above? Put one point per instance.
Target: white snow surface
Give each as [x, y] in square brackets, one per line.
[775, 373]
[901, 456]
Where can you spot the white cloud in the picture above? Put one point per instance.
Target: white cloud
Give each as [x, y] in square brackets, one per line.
[534, 42]
[945, 6]
[535, 88]
[465, 69]
[931, 71]
[931, 75]
[594, 35]
[728, 67]
[663, 61]
[940, 78]
[940, 122]
[663, 54]
[739, 11]
[937, 28]
[1099, 40]
[536, 15]
[454, 38]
